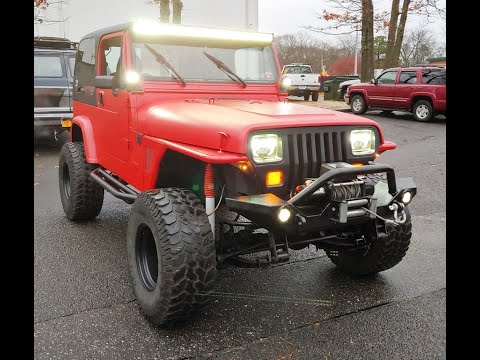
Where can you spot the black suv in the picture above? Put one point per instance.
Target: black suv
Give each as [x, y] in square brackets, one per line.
[54, 60]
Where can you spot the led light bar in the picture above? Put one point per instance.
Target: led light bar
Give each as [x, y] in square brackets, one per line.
[152, 27]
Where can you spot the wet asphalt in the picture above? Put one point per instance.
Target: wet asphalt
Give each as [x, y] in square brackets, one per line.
[84, 307]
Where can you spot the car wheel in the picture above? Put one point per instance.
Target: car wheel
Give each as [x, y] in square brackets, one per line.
[171, 254]
[423, 111]
[81, 196]
[306, 96]
[315, 96]
[358, 105]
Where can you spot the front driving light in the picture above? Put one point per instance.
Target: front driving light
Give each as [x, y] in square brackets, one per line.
[362, 142]
[406, 197]
[266, 148]
[284, 214]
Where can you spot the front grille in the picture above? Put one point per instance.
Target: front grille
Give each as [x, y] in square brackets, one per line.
[309, 149]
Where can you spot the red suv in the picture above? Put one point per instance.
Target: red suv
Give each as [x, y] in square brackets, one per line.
[421, 90]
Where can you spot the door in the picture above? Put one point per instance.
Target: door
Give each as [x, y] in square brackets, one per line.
[405, 86]
[381, 95]
[112, 120]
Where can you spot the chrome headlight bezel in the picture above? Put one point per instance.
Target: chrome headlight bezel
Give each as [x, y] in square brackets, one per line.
[268, 143]
[363, 142]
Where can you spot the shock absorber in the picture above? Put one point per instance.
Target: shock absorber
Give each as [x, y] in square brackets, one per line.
[209, 191]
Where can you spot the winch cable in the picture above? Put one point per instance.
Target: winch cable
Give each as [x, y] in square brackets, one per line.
[393, 222]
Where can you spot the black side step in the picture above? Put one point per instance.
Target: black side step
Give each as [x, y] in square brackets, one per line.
[114, 186]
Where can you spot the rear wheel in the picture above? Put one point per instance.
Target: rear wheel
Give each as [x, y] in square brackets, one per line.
[382, 255]
[423, 111]
[315, 96]
[81, 196]
[171, 254]
[306, 96]
[358, 105]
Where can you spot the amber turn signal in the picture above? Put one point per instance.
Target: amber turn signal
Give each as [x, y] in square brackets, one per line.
[274, 178]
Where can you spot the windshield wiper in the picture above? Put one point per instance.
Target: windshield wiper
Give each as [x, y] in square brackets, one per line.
[225, 68]
[160, 59]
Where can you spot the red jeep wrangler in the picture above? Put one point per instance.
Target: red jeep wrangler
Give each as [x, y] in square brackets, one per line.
[192, 127]
[421, 90]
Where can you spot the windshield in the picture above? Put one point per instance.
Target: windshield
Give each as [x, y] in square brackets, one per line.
[253, 65]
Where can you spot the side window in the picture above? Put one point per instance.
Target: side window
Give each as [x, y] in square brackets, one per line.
[387, 77]
[408, 77]
[110, 56]
[47, 66]
[434, 76]
[84, 89]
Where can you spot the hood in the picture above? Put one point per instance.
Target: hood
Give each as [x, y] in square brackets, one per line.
[225, 124]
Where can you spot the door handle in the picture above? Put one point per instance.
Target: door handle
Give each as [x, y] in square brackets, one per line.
[100, 98]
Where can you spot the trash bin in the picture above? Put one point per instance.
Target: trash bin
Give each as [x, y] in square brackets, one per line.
[327, 87]
[331, 87]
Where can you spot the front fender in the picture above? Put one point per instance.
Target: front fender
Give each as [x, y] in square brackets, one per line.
[83, 125]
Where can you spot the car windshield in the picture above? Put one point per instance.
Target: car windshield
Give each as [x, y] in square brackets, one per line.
[252, 64]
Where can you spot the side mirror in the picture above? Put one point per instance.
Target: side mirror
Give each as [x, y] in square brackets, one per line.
[374, 81]
[104, 82]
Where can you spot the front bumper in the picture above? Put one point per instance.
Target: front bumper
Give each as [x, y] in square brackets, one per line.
[309, 215]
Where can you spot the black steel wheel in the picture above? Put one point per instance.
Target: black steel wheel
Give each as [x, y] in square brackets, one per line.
[171, 255]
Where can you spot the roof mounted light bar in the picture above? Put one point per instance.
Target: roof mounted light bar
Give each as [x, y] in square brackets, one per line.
[155, 28]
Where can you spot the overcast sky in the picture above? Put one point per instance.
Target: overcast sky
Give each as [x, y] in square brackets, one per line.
[276, 16]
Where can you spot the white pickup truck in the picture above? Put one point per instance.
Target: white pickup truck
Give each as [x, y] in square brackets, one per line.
[303, 81]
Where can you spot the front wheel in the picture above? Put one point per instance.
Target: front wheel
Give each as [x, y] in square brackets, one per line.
[358, 105]
[382, 255]
[423, 111]
[171, 254]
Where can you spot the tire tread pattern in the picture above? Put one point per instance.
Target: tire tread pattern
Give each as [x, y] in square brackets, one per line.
[86, 196]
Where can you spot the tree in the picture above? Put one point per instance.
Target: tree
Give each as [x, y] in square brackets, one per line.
[367, 40]
[380, 47]
[418, 46]
[40, 7]
[302, 48]
[177, 6]
[349, 14]
[429, 9]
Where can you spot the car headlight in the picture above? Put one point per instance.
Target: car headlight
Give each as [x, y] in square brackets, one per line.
[266, 148]
[362, 142]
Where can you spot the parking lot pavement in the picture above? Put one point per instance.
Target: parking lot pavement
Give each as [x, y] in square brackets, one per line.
[84, 306]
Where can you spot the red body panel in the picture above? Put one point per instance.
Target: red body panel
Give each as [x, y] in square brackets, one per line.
[129, 131]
